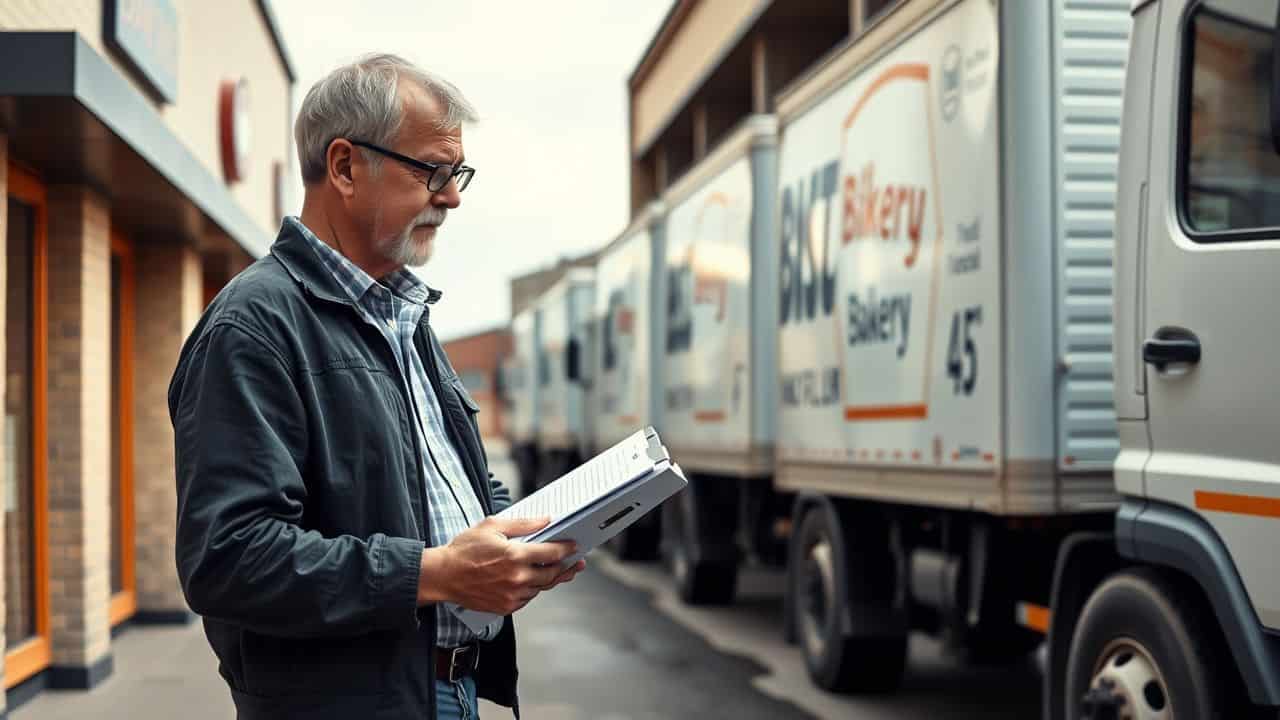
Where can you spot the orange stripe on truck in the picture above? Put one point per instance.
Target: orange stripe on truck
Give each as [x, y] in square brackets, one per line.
[886, 412]
[1034, 617]
[709, 416]
[1239, 504]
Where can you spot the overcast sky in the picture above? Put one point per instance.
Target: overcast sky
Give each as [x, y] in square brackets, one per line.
[550, 152]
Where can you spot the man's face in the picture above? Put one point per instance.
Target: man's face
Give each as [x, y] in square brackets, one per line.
[402, 215]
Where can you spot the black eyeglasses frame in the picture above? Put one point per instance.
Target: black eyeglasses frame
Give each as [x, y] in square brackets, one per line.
[463, 173]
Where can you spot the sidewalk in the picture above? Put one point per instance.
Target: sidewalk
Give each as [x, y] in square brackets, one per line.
[160, 672]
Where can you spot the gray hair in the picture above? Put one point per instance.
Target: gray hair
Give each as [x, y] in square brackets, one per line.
[360, 101]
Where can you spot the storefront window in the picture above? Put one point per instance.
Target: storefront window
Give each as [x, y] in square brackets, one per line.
[19, 422]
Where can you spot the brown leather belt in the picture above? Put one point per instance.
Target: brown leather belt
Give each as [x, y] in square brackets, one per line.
[453, 664]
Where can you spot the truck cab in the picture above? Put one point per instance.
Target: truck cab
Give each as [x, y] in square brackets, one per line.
[1177, 614]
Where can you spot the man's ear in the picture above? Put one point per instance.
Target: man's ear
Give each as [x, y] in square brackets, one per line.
[338, 161]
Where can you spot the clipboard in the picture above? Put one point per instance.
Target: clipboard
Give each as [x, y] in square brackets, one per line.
[595, 501]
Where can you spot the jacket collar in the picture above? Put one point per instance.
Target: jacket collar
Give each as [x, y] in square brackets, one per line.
[299, 260]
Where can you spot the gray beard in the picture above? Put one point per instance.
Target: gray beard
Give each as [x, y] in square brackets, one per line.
[402, 250]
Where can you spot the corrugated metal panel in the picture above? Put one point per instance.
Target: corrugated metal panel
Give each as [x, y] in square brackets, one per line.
[1090, 51]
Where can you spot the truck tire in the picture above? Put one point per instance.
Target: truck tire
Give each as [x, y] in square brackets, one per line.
[821, 580]
[697, 545]
[1143, 644]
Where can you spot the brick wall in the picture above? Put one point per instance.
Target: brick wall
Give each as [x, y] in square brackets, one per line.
[79, 387]
[482, 353]
[168, 304]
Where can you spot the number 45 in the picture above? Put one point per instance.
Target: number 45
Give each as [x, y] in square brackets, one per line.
[962, 337]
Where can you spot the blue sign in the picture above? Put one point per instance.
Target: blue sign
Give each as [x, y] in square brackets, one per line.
[145, 32]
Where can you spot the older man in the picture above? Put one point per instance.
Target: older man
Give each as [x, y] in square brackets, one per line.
[333, 493]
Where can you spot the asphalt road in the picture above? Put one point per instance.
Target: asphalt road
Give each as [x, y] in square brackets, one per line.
[618, 643]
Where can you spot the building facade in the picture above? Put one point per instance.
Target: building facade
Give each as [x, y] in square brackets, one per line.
[478, 358]
[144, 148]
[714, 63]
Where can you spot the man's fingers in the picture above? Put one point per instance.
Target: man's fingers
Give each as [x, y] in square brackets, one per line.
[515, 528]
[567, 574]
[543, 578]
[546, 553]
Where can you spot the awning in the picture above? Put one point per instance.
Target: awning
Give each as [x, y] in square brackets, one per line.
[72, 116]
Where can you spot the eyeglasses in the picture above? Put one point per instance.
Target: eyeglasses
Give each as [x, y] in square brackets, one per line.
[438, 174]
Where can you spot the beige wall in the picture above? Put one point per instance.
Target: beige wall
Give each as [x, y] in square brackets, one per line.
[226, 39]
[701, 38]
[223, 40]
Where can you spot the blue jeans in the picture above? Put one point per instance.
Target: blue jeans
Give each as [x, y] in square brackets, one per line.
[449, 706]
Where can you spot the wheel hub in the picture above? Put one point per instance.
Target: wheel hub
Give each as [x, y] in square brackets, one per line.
[1127, 685]
[817, 597]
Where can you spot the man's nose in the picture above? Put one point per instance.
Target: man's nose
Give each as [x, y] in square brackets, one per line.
[448, 197]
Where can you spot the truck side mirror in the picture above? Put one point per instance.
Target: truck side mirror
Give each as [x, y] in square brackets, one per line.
[573, 361]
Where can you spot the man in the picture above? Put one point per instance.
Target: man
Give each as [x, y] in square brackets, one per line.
[333, 493]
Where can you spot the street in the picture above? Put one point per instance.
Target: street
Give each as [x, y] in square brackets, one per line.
[614, 644]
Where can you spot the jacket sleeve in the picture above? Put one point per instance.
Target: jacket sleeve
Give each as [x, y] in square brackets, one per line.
[501, 495]
[243, 558]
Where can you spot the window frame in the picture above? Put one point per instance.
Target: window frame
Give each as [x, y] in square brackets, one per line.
[1186, 73]
[124, 604]
[35, 654]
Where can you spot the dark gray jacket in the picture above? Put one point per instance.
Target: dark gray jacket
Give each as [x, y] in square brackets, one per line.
[301, 518]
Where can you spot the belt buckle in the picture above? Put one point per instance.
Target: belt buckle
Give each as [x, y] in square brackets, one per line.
[453, 660]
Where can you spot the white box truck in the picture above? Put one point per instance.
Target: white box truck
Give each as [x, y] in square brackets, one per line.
[623, 375]
[520, 396]
[560, 402]
[1020, 390]
[972, 337]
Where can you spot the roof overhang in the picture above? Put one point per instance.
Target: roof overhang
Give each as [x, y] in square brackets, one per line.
[72, 116]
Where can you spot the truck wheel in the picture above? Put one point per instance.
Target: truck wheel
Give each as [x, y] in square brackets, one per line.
[836, 661]
[1144, 650]
[698, 548]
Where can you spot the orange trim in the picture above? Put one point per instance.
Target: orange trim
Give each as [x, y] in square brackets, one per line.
[28, 659]
[36, 654]
[886, 412]
[709, 416]
[628, 419]
[1255, 505]
[124, 604]
[1034, 617]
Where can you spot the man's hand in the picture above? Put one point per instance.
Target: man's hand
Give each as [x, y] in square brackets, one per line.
[483, 570]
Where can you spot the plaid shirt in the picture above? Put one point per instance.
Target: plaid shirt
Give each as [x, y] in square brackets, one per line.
[394, 306]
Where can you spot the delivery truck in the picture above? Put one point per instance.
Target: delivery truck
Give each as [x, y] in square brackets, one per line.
[560, 422]
[971, 337]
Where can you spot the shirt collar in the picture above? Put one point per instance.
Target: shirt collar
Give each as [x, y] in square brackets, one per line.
[355, 280]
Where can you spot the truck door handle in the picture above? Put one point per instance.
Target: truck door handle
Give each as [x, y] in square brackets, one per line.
[1171, 346]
